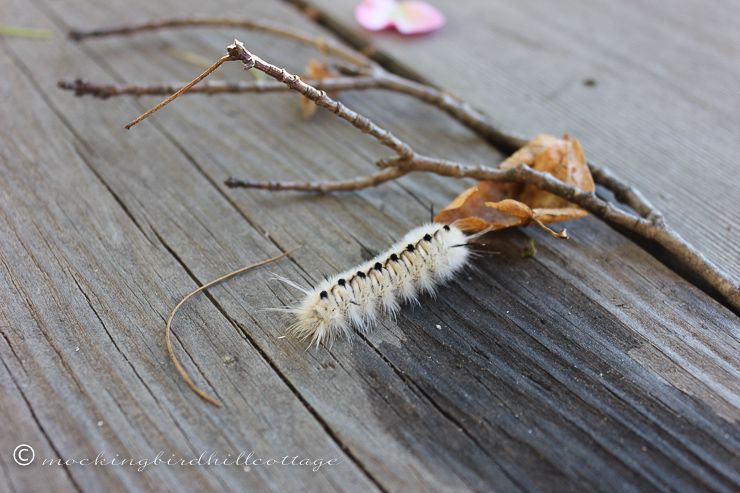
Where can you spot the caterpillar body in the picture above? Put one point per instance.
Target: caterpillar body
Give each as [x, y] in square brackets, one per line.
[426, 256]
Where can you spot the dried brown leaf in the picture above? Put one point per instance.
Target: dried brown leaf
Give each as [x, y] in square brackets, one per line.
[314, 70]
[513, 207]
[527, 216]
[498, 205]
[564, 159]
[529, 152]
[471, 213]
[552, 216]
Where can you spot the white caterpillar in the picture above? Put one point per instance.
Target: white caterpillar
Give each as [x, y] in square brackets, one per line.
[426, 256]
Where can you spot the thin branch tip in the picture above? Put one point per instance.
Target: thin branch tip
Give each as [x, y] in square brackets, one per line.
[167, 101]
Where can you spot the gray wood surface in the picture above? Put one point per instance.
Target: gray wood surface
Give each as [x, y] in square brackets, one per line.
[589, 367]
[649, 88]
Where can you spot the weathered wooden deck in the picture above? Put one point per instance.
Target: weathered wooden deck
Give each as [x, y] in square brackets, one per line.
[590, 367]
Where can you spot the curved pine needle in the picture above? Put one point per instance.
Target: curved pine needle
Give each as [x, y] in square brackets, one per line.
[182, 90]
[206, 286]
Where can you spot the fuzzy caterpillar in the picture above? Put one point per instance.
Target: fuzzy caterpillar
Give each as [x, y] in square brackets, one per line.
[426, 256]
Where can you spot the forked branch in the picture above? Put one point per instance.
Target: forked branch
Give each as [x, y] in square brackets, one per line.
[364, 74]
[647, 221]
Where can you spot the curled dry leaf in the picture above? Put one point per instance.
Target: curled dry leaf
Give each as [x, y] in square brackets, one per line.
[498, 205]
[314, 70]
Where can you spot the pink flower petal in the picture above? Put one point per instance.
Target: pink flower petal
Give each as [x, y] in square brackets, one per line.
[375, 15]
[416, 17]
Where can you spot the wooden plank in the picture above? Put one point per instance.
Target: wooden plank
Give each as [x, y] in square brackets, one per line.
[83, 342]
[647, 87]
[149, 200]
[492, 399]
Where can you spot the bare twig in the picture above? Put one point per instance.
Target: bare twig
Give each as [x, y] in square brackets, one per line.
[237, 51]
[626, 194]
[324, 44]
[375, 77]
[324, 186]
[185, 88]
[378, 79]
[82, 87]
[648, 222]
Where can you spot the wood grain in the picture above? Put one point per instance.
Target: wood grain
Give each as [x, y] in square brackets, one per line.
[590, 366]
[647, 88]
